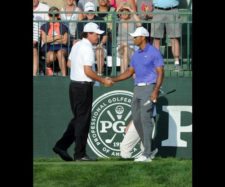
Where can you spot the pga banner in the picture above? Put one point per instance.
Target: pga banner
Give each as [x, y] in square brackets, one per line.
[111, 113]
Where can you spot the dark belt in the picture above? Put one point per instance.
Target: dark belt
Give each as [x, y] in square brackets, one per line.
[82, 82]
[170, 8]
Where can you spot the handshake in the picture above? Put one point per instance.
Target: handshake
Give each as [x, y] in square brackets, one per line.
[107, 82]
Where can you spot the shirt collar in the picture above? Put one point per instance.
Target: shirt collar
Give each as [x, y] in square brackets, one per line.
[145, 49]
[87, 41]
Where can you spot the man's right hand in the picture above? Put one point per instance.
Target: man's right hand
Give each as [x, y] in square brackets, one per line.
[107, 82]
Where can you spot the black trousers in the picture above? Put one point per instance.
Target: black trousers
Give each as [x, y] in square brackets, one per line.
[81, 96]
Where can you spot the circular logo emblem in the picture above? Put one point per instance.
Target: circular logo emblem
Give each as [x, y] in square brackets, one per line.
[111, 112]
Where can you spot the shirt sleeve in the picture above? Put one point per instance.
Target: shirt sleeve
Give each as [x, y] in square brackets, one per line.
[64, 29]
[158, 60]
[132, 62]
[44, 28]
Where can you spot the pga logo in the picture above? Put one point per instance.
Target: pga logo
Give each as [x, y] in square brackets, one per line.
[111, 112]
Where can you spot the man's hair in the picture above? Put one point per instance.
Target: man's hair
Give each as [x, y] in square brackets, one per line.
[84, 34]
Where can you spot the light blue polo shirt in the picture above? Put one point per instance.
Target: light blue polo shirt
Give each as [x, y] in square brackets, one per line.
[166, 3]
[144, 63]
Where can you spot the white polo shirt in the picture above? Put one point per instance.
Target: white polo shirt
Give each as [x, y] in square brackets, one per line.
[81, 54]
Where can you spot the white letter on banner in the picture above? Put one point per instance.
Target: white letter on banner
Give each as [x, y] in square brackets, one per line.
[175, 127]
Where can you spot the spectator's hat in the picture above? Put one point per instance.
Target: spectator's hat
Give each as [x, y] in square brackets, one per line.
[89, 6]
[140, 31]
[53, 9]
[92, 27]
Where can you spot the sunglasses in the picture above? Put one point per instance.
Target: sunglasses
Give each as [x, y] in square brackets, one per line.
[51, 15]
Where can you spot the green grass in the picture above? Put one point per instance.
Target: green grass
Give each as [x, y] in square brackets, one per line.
[161, 172]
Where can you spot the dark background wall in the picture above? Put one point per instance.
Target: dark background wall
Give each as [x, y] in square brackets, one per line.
[51, 114]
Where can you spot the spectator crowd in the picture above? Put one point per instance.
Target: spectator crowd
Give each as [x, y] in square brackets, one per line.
[57, 29]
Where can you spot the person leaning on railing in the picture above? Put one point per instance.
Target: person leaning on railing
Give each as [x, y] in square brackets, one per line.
[167, 15]
[54, 35]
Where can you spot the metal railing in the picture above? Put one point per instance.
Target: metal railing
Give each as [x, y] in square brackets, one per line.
[112, 61]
